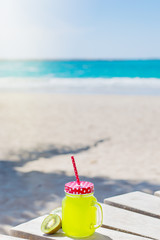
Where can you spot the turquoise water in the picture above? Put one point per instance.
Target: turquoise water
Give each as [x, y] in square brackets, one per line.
[81, 69]
[137, 77]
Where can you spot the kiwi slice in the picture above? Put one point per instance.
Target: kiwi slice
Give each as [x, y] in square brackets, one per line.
[57, 211]
[51, 224]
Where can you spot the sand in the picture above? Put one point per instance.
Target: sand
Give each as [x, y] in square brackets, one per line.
[115, 140]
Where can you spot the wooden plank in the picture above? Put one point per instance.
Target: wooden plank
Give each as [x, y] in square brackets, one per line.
[117, 235]
[137, 202]
[5, 237]
[32, 231]
[130, 222]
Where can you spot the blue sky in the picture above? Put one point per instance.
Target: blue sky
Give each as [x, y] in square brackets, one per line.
[107, 29]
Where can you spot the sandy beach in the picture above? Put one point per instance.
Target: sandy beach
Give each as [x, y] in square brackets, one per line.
[115, 140]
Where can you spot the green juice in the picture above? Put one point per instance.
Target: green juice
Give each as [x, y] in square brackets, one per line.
[79, 215]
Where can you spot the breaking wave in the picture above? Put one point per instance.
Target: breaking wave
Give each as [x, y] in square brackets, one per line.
[136, 86]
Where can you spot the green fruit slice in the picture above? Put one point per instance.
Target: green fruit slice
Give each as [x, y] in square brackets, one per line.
[51, 224]
[57, 211]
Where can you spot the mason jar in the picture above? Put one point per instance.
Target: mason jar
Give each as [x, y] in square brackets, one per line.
[81, 213]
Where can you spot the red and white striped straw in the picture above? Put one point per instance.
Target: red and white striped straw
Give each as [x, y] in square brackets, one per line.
[75, 169]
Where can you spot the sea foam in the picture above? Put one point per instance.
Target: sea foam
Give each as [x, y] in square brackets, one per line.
[136, 86]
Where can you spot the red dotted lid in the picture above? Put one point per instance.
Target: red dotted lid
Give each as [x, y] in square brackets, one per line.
[83, 188]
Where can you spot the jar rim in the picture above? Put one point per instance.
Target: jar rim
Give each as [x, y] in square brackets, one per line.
[78, 195]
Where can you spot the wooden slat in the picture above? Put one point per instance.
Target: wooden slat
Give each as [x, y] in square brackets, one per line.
[32, 231]
[131, 222]
[5, 237]
[137, 202]
[117, 235]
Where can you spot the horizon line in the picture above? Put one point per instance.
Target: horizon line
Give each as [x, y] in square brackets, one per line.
[77, 59]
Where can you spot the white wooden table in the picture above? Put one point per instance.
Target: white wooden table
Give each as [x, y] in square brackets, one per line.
[4, 237]
[131, 216]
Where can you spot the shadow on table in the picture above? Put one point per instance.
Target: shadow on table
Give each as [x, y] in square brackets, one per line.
[95, 236]
[23, 195]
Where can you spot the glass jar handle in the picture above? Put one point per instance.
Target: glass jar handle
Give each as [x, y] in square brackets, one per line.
[100, 215]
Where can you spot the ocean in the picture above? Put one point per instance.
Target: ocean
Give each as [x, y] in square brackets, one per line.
[130, 77]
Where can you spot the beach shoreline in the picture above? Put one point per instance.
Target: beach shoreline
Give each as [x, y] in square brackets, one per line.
[115, 140]
[133, 86]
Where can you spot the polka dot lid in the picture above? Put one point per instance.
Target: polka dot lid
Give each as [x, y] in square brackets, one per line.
[83, 188]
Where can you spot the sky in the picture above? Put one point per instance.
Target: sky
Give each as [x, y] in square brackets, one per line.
[79, 29]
